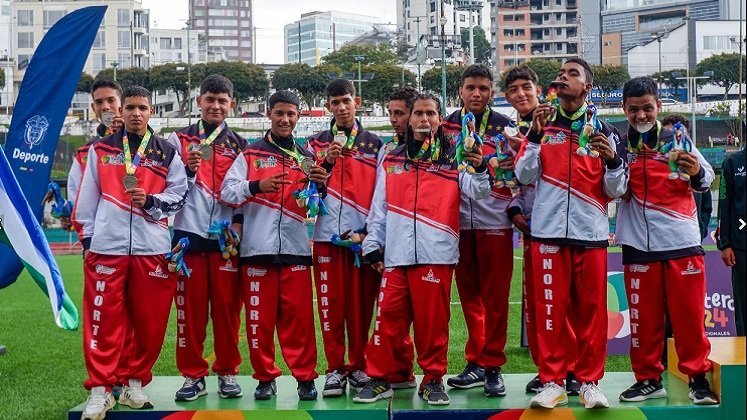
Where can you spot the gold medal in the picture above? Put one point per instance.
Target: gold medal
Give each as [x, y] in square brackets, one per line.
[129, 181]
[206, 151]
[306, 165]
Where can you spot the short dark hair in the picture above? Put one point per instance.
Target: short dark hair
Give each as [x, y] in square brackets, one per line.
[135, 91]
[340, 87]
[588, 72]
[639, 86]
[519, 73]
[106, 83]
[477, 70]
[405, 93]
[673, 119]
[215, 83]
[284, 96]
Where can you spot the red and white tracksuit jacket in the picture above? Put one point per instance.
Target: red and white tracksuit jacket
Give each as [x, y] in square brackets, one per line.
[275, 260]
[485, 267]
[415, 217]
[215, 283]
[126, 274]
[570, 233]
[664, 264]
[346, 294]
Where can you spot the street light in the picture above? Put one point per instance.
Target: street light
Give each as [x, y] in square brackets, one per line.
[114, 66]
[658, 36]
[693, 92]
[443, 21]
[359, 58]
[470, 6]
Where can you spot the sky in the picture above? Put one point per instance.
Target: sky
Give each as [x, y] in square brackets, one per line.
[270, 16]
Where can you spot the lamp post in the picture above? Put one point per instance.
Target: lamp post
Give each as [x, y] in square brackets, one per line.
[693, 93]
[359, 58]
[658, 36]
[442, 21]
[470, 6]
[114, 66]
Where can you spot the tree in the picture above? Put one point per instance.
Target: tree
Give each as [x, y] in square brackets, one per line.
[669, 79]
[2, 78]
[378, 89]
[546, 70]
[344, 58]
[249, 80]
[84, 83]
[725, 68]
[431, 80]
[482, 46]
[307, 81]
[167, 77]
[127, 77]
[608, 78]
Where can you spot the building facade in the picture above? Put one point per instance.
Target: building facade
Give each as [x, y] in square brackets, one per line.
[228, 27]
[173, 45]
[317, 34]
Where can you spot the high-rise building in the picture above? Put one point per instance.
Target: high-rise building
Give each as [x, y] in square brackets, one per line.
[317, 34]
[173, 45]
[423, 17]
[228, 26]
[535, 29]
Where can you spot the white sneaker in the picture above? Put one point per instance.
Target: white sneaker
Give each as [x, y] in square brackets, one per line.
[98, 403]
[549, 396]
[591, 396]
[133, 395]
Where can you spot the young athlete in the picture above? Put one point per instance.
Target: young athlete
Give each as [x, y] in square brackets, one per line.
[522, 92]
[415, 218]
[346, 293]
[570, 234]
[275, 254]
[663, 272]
[483, 273]
[133, 181]
[208, 148]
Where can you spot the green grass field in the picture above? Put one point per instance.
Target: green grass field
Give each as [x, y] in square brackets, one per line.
[42, 373]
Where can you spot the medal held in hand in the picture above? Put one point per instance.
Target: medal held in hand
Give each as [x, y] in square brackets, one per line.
[306, 165]
[206, 143]
[340, 138]
[107, 118]
[206, 152]
[131, 164]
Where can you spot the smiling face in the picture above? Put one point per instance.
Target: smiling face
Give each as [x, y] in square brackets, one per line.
[641, 110]
[523, 95]
[475, 93]
[343, 109]
[215, 106]
[283, 117]
[136, 112]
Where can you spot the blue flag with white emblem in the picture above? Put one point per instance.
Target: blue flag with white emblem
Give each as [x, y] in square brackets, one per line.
[46, 90]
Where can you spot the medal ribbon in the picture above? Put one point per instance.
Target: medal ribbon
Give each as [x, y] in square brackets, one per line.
[295, 154]
[351, 138]
[576, 115]
[208, 141]
[424, 148]
[130, 163]
[483, 121]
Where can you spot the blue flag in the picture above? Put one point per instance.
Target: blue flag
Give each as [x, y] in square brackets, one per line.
[46, 91]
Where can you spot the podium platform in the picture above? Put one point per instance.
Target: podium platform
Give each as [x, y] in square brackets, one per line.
[465, 404]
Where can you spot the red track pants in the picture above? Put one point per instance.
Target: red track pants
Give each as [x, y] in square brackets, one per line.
[678, 286]
[117, 288]
[420, 296]
[279, 297]
[214, 287]
[483, 279]
[570, 284]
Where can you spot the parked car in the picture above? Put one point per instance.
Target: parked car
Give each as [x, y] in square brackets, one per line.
[670, 101]
[252, 114]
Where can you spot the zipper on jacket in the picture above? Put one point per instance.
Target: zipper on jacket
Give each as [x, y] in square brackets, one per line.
[342, 195]
[415, 211]
[212, 193]
[129, 249]
[282, 205]
[570, 177]
[645, 202]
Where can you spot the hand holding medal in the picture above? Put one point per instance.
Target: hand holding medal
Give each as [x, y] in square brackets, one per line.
[194, 159]
[131, 164]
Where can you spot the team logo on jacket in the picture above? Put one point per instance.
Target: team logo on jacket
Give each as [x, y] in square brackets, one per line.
[150, 162]
[632, 157]
[36, 128]
[691, 269]
[228, 266]
[324, 260]
[740, 171]
[102, 269]
[158, 272]
[556, 139]
[113, 159]
[298, 268]
[638, 268]
[255, 272]
[270, 162]
[549, 249]
[431, 278]
[396, 170]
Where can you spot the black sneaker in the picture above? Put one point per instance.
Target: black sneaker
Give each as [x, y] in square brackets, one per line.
[192, 389]
[433, 393]
[265, 390]
[334, 384]
[373, 391]
[644, 390]
[472, 376]
[116, 391]
[700, 391]
[494, 386]
[572, 385]
[534, 386]
[306, 391]
[228, 387]
[358, 379]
